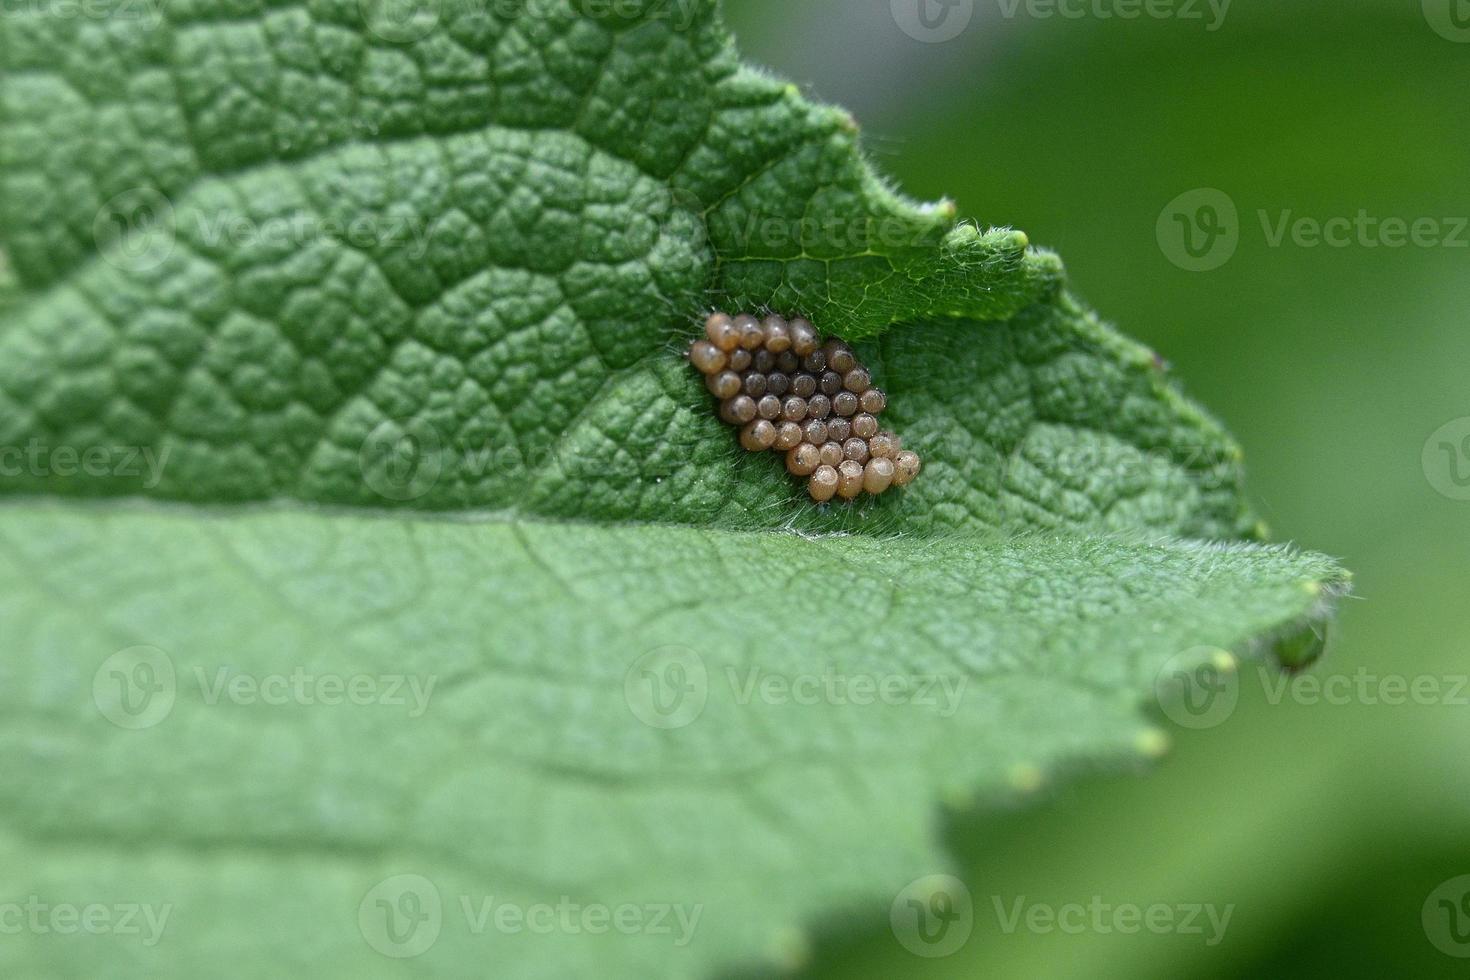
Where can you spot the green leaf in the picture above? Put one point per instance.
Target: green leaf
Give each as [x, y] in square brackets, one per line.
[524, 758]
[440, 262]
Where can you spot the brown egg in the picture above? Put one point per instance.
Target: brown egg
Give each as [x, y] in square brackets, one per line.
[906, 466]
[788, 390]
[878, 475]
[823, 484]
[803, 337]
[803, 460]
[778, 334]
[721, 331]
[738, 410]
[758, 436]
[751, 334]
[724, 385]
[849, 479]
[788, 436]
[707, 358]
[883, 446]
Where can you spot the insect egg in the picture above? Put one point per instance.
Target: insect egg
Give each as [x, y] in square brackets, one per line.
[849, 479]
[788, 436]
[789, 391]
[883, 446]
[803, 337]
[751, 334]
[724, 385]
[905, 468]
[707, 358]
[878, 475]
[823, 484]
[721, 331]
[758, 435]
[803, 460]
[778, 335]
[738, 410]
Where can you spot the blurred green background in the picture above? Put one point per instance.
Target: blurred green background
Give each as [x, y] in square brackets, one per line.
[1326, 822]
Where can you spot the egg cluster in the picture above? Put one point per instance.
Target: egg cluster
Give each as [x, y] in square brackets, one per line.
[794, 393]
